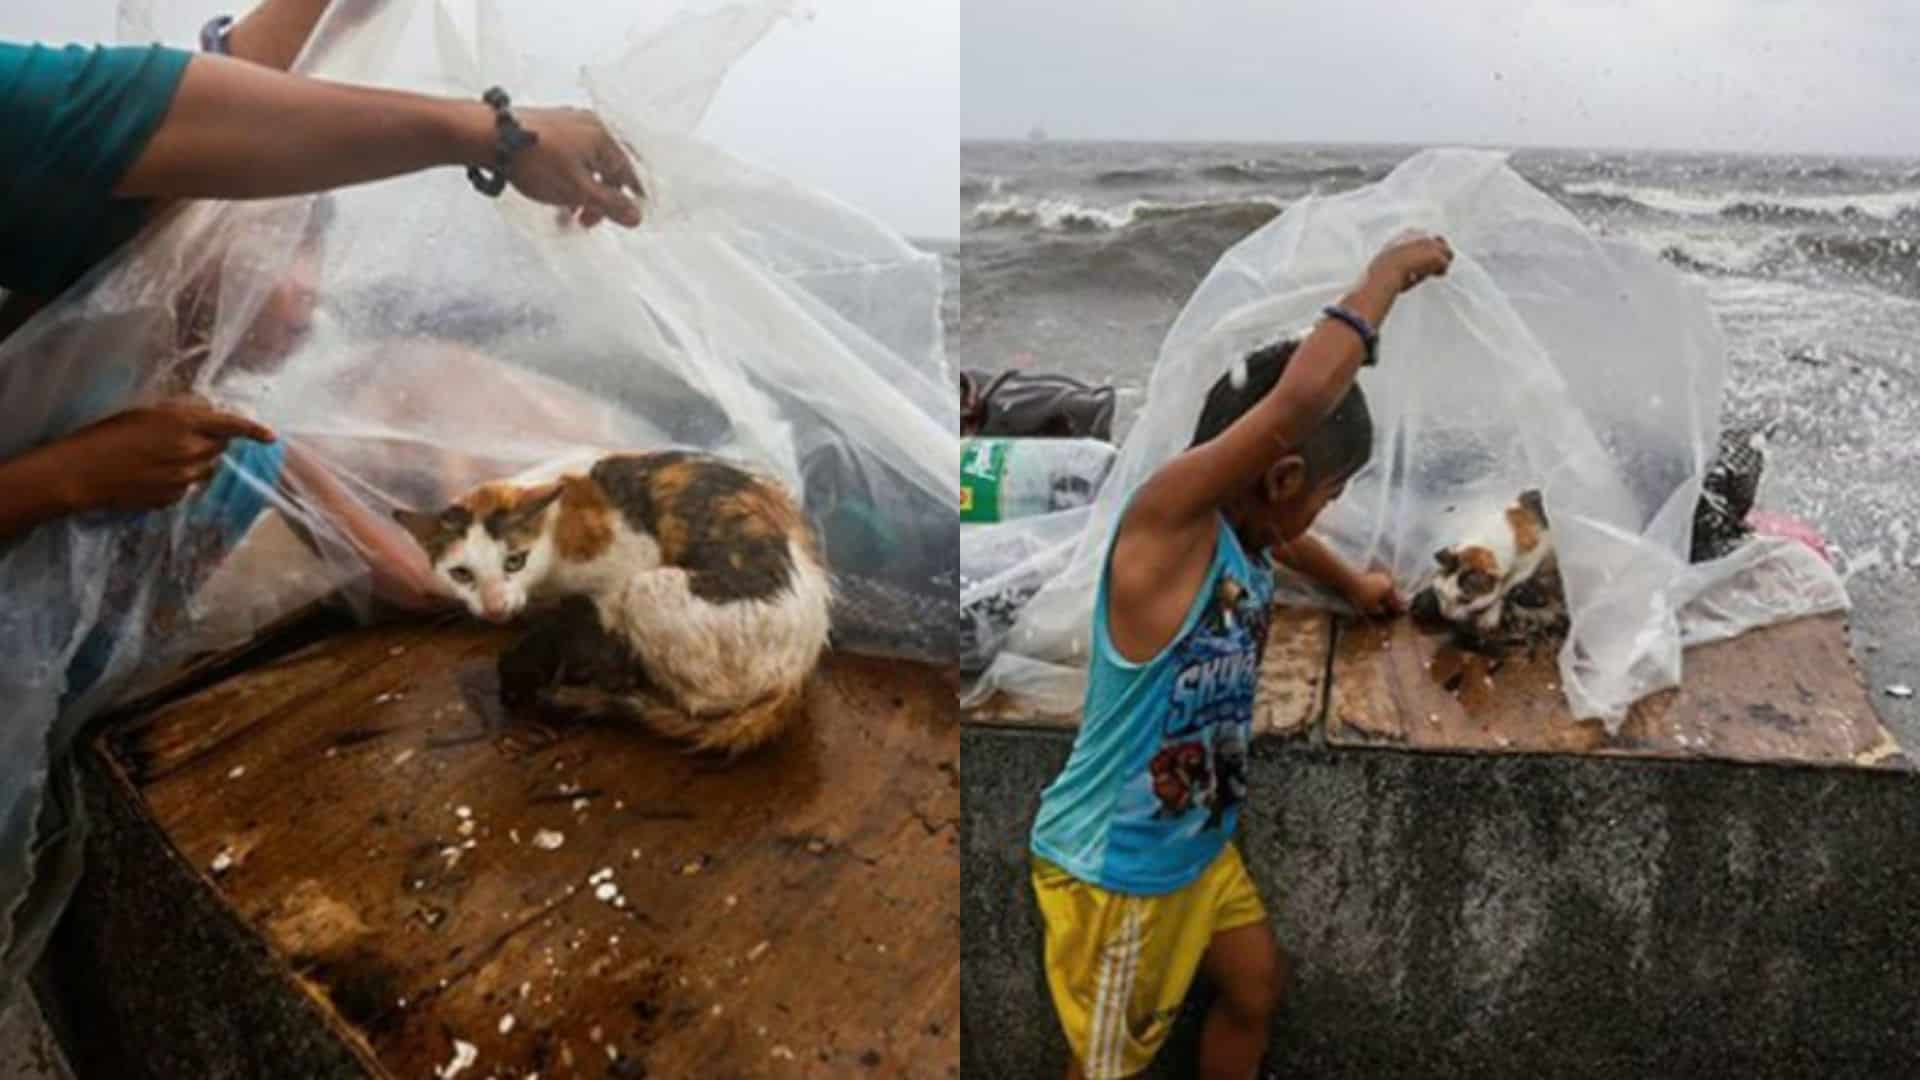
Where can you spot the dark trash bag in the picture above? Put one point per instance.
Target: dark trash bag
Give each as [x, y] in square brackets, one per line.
[1727, 493]
[1025, 405]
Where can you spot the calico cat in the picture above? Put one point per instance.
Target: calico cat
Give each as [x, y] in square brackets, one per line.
[670, 587]
[1499, 584]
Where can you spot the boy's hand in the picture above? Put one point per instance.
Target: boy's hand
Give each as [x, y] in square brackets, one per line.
[1405, 263]
[1372, 594]
[146, 458]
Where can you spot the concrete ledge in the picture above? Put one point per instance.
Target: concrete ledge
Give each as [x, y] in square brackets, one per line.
[1539, 915]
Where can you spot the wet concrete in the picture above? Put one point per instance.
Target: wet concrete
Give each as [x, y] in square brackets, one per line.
[28, 1050]
[1514, 916]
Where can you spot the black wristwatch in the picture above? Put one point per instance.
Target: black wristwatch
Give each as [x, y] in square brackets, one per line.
[509, 139]
[1368, 335]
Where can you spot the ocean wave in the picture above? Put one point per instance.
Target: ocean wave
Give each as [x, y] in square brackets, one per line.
[1897, 205]
[982, 187]
[1136, 177]
[1891, 263]
[1162, 251]
[1067, 215]
[1263, 172]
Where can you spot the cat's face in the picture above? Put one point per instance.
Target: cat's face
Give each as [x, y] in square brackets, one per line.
[491, 547]
[1468, 585]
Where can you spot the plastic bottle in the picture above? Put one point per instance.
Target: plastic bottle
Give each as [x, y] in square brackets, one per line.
[1006, 479]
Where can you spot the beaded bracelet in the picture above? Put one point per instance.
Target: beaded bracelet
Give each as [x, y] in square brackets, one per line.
[510, 139]
[214, 35]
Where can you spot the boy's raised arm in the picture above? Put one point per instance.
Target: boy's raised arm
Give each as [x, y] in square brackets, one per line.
[1189, 489]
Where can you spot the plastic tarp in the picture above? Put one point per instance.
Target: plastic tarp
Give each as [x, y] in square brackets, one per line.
[408, 339]
[1549, 358]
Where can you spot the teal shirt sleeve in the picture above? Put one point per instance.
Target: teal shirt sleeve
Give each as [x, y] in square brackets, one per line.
[72, 122]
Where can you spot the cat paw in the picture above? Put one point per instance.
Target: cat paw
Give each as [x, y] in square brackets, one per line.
[526, 668]
[527, 737]
[1425, 608]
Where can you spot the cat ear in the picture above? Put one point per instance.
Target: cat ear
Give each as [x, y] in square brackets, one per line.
[537, 500]
[422, 527]
[1535, 505]
[1447, 559]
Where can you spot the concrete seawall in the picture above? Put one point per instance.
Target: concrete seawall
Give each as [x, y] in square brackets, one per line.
[1533, 916]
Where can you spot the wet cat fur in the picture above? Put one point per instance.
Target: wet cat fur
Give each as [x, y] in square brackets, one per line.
[670, 588]
[1499, 587]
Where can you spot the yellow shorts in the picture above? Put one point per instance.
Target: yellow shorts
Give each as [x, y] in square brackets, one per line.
[1119, 965]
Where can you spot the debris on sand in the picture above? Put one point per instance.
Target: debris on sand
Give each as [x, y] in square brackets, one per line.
[548, 840]
[464, 1055]
[222, 862]
[1900, 690]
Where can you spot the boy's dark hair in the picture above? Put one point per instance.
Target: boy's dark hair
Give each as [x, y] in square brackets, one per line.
[1338, 447]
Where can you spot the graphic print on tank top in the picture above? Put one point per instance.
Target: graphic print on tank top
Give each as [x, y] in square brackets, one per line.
[1200, 770]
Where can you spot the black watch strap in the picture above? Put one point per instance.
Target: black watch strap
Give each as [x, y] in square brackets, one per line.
[509, 139]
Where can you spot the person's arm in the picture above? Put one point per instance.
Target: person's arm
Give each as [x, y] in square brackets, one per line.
[1165, 539]
[139, 459]
[1370, 592]
[35, 488]
[401, 574]
[1191, 487]
[275, 31]
[236, 130]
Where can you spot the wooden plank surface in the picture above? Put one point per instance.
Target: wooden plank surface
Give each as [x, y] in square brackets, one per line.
[1292, 683]
[367, 809]
[1788, 694]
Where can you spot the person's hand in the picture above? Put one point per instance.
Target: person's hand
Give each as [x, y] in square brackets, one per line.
[149, 457]
[413, 587]
[1406, 263]
[576, 165]
[1372, 594]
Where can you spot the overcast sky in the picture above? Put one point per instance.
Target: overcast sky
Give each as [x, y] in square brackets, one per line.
[1827, 76]
[861, 99]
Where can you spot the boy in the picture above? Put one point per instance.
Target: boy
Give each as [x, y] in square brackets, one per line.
[1136, 881]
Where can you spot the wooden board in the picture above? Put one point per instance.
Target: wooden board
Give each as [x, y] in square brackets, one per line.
[1787, 694]
[375, 822]
[1293, 675]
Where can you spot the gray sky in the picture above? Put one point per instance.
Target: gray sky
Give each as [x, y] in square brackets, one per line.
[861, 99]
[1841, 76]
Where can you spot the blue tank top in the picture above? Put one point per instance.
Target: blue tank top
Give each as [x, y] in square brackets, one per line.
[1152, 790]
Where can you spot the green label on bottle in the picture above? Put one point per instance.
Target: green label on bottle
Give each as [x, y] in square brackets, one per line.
[983, 462]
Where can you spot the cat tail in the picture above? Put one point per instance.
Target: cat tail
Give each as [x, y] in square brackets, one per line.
[730, 734]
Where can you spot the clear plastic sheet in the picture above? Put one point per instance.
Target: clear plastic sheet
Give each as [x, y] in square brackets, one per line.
[1548, 358]
[1001, 567]
[408, 339]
